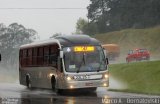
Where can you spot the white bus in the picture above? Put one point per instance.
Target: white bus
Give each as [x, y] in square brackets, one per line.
[66, 62]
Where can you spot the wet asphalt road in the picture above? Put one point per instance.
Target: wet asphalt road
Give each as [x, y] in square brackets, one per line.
[11, 93]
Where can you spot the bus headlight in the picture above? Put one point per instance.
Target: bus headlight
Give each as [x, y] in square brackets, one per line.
[51, 74]
[71, 86]
[69, 78]
[105, 76]
[104, 84]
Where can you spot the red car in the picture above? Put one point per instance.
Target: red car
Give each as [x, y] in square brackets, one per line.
[138, 55]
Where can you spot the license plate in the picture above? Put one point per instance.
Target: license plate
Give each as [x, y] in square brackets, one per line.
[81, 77]
[88, 77]
[89, 84]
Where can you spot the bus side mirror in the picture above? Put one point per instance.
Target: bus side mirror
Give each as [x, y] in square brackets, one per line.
[105, 52]
[61, 54]
[107, 61]
[0, 57]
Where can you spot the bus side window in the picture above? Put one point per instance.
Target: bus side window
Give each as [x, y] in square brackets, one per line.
[30, 57]
[27, 58]
[34, 55]
[46, 55]
[53, 56]
[24, 58]
[21, 58]
[40, 56]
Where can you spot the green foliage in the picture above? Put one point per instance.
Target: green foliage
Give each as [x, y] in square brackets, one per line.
[11, 38]
[83, 27]
[142, 77]
[90, 29]
[111, 15]
[80, 25]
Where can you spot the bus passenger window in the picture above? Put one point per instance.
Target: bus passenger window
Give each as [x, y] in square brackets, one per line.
[34, 55]
[21, 58]
[30, 57]
[53, 56]
[46, 55]
[40, 56]
[24, 58]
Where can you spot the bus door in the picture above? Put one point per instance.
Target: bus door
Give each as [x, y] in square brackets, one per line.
[60, 73]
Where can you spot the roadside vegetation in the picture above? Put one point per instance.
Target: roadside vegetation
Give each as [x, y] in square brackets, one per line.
[137, 77]
[114, 15]
[140, 77]
[134, 38]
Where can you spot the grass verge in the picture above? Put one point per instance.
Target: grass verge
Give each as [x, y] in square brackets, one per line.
[140, 77]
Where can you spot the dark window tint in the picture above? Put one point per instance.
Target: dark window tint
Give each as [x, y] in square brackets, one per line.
[40, 56]
[34, 57]
[53, 55]
[46, 55]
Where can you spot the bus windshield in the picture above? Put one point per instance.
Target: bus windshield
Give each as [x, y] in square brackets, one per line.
[90, 60]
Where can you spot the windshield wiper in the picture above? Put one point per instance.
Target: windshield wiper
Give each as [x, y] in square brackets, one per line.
[83, 60]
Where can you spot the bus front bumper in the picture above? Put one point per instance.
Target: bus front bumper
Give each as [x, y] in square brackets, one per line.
[86, 84]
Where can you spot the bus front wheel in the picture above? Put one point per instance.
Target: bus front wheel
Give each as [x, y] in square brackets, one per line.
[28, 82]
[53, 83]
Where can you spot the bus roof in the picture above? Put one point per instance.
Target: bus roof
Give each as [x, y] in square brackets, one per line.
[113, 45]
[65, 40]
[39, 43]
[70, 40]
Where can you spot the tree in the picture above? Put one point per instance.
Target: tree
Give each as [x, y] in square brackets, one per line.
[111, 15]
[84, 27]
[80, 25]
[11, 38]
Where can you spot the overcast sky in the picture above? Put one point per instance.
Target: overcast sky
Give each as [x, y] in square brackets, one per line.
[45, 21]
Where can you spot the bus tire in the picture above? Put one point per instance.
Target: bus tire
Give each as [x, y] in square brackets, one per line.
[28, 82]
[53, 83]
